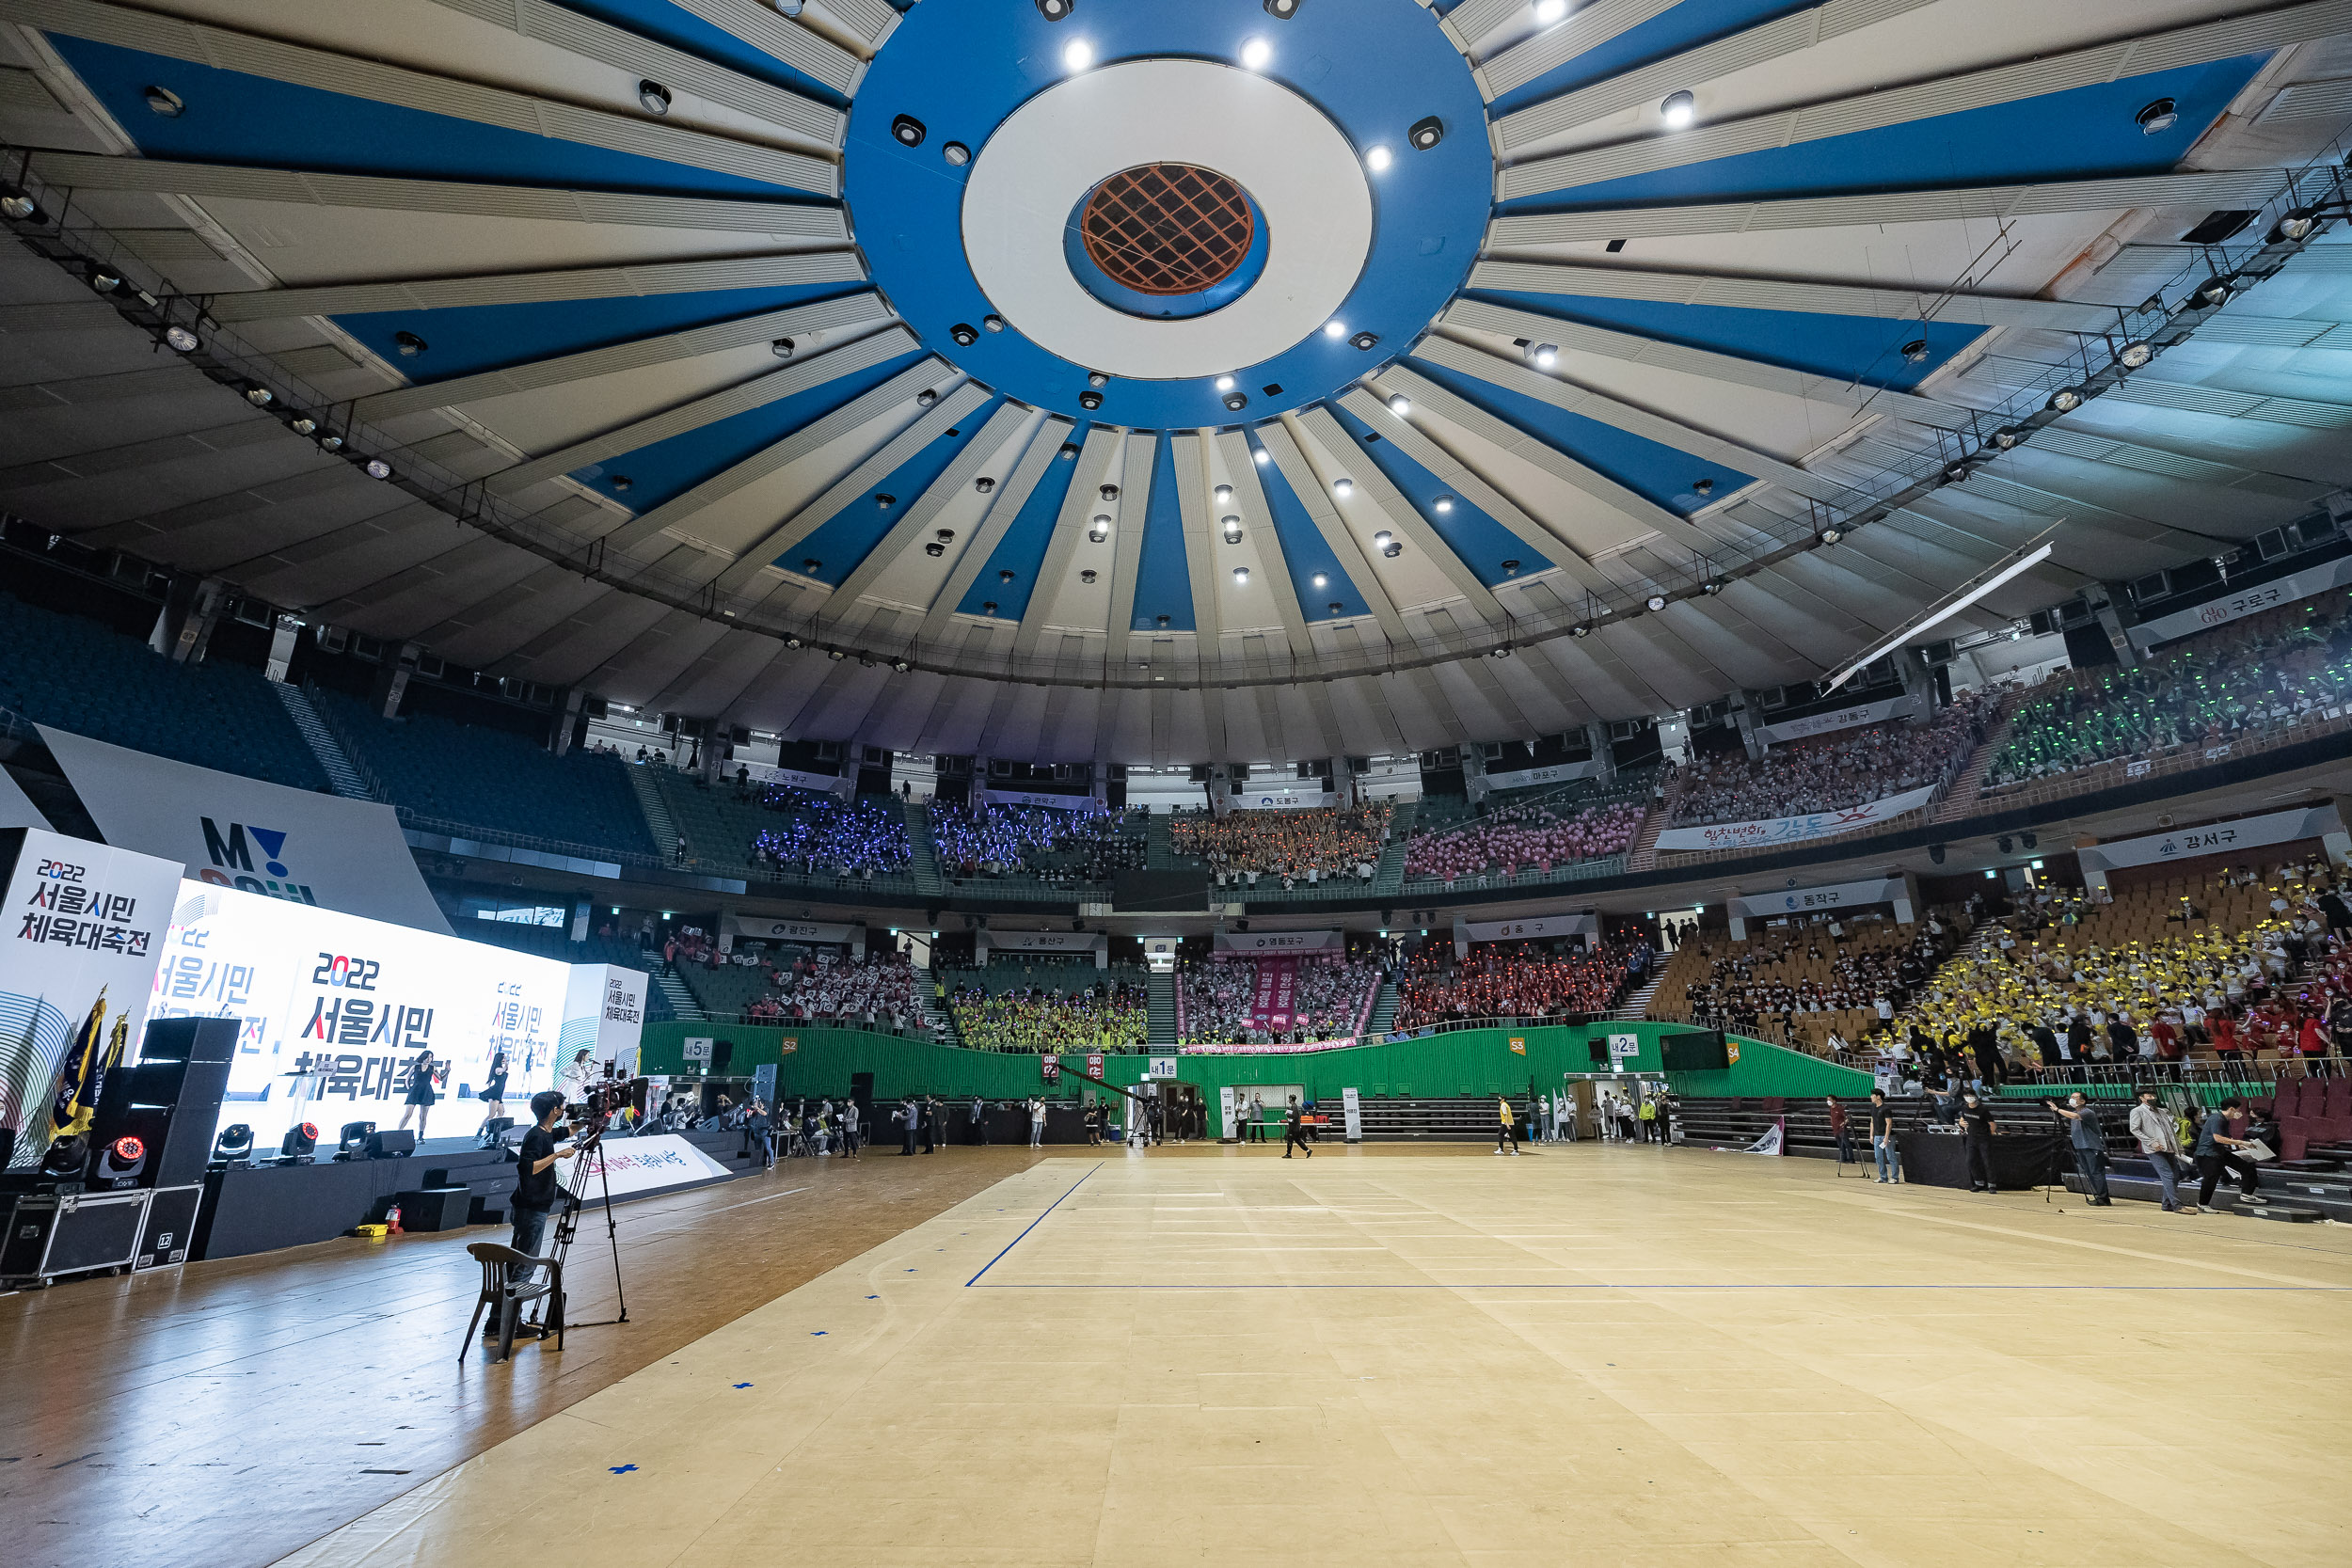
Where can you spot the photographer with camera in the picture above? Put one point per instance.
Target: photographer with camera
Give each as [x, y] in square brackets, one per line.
[535, 1187]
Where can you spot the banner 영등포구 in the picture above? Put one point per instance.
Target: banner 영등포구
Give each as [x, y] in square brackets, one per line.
[79, 940]
[1794, 830]
[259, 838]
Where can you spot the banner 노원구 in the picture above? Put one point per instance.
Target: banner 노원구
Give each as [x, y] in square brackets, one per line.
[80, 936]
[261, 838]
[1794, 830]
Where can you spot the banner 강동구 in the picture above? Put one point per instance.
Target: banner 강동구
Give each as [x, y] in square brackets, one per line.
[1794, 830]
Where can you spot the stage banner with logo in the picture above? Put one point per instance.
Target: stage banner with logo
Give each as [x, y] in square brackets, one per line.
[604, 1009]
[1281, 941]
[2215, 838]
[261, 838]
[634, 1167]
[79, 942]
[1794, 830]
[333, 1011]
[1844, 719]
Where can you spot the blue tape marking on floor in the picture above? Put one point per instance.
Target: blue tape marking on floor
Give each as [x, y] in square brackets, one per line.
[1032, 1226]
[620, 1469]
[816, 1333]
[742, 1386]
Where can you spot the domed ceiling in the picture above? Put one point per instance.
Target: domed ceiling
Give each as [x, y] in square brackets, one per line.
[1155, 382]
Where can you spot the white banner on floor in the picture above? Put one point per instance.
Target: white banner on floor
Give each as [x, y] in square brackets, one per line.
[1844, 719]
[1794, 830]
[261, 838]
[2215, 838]
[1353, 1108]
[634, 1167]
[1771, 1141]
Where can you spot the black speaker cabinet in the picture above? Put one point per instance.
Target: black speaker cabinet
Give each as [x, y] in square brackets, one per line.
[171, 1226]
[53, 1234]
[178, 1131]
[434, 1209]
[395, 1142]
[189, 1040]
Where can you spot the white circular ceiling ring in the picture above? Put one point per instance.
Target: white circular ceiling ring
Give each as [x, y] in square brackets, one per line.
[1301, 171]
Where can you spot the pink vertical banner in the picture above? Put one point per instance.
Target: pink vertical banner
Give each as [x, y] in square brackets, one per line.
[1278, 983]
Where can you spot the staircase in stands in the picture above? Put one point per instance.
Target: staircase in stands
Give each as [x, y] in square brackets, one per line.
[1158, 852]
[658, 820]
[1383, 1010]
[1162, 1009]
[682, 1001]
[1636, 1003]
[340, 772]
[1960, 799]
[922, 850]
[1387, 879]
[1644, 855]
[936, 1017]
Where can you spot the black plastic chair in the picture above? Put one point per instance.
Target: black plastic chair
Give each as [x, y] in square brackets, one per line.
[507, 1285]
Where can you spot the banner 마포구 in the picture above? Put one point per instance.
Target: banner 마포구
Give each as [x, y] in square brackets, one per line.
[1794, 830]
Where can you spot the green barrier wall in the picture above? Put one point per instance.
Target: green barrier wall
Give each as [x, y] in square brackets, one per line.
[1464, 1062]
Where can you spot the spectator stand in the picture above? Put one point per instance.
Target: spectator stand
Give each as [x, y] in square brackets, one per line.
[1011, 850]
[1515, 983]
[1271, 855]
[1794, 983]
[1043, 1002]
[1528, 838]
[1331, 999]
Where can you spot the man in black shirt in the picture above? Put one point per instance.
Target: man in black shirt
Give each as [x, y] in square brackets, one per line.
[535, 1172]
[1978, 1127]
[1883, 1148]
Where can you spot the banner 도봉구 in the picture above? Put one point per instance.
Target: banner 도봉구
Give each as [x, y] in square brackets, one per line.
[1794, 830]
[79, 942]
[261, 838]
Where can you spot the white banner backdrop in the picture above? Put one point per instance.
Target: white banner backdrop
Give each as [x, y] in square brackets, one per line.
[1793, 830]
[1526, 778]
[16, 808]
[79, 942]
[1844, 719]
[610, 1002]
[1806, 900]
[634, 1167]
[2216, 838]
[259, 838]
[1280, 941]
[2236, 607]
[333, 1009]
[822, 783]
[761, 929]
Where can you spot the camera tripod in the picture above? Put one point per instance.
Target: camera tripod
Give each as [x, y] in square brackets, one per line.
[568, 1223]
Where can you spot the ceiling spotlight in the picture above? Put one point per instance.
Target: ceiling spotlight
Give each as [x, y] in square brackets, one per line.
[1067, 451]
[1237, 402]
[1392, 549]
[947, 536]
[1711, 586]
[988, 608]
[781, 348]
[1657, 601]
[378, 468]
[1077, 55]
[17, 206]
[1510, 568]
[1378, 159]
[1222, 494]
[2157, 117]
[1090, 401]
[2066, 400]
[1581, 629]
[964, 333]
[330, 443]
[1443, 504]
[1261, 457]
[655, 97]
[984, 484]
[1241, 577]
[103, 281]
[1283, 11]
[993, 323]
[1545, 355]
[792, 642]
[1383, 539]
[1703, 487]
[2008, 436]
[924, 398]
[1224, 383]
[810, 564]
[260, 396]
[1087, 576]
[1054, 10]
[835, 654]
[1256, 53]
[2213, 292]
[2297, 225]
[165, 102]
[1832, 534]
[1108, 492]
[1232, 530]
[409, 344]
[901, 665]
[1915, 350]
[302, 424]
[1500, 650]
[1427, 133]
[956, 153]
[1364, 339]
[885, 501]
[620, 481]
[1336, 608]
[906, 130]
[1321, 580]
[1955, 473]
[1101, 528]
[1098, 378]
[1680, 109]
[934, 549]
[1335, 329]
[1343, 488]
[1400, 405]
[2135, 354]
[1549, 11]
[1005, 576]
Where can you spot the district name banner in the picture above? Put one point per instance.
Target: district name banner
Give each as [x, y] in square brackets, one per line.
[820, 783]
[1280, 941]
[1241, 801]
[79, 943]
[1794, 830]
[2236, 607]
[1804, 900]
[1042, 941]
[1533, 926]
[2215, 838]
[1527, 778]
[334, 1012]
[1844, 719]
[261, 838]
[631, 1167]
[1030, 797]
[759, 927]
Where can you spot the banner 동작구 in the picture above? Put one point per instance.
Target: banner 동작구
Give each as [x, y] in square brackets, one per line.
[261, 838]
[1804, 900]
[79, 942]
[1794, 830]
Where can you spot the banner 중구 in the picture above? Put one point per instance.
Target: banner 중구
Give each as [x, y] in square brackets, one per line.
[261, 838]
[1794, 830]
[80, 938]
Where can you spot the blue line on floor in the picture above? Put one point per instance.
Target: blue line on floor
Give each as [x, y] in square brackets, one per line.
[1033, 1225]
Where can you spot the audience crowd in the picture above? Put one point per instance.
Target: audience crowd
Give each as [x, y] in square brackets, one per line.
[1106, 1015]
[1517, 979]
[822, 835]
[1217, 1001]
[1835, 772]
[877, 990]
[1041, 842]
[1534, 836]
[1784, 975]
[1310, 846]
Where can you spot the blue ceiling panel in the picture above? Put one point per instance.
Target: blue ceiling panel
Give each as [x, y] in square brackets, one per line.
[851, 533]
[1659, 473]
[1863, 349]
[1671, 31]
[2085, 133]
[1482, 544]
[1163, 574]
[1304, 550]
[669, 468]
[682, 29]
[1022, 551]
[464, 340]
[231, 118]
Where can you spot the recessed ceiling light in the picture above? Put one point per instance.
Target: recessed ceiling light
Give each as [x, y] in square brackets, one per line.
[1343, 488]
[781, 348]
[956, 153]
[992, 323]
[1549, 11]
[1400, 405]
[165, 102]
[1545, 355]
[1335, 329]
[1077, 55]
[1224, 495]
[1915, 350]
[409, 344]
[1444, 503]
[1383, 539]
[1241, 577]
[655, 97]
[1261, 457]
[1680, 109]
[1256, 53]
[1378, 159]
[1224, 383]
[1321, 580]
[2157, 117]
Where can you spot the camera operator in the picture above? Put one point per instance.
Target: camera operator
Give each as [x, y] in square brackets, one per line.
[535, 1187]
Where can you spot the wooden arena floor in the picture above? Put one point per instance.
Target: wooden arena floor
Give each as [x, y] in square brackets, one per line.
[1602, 1354]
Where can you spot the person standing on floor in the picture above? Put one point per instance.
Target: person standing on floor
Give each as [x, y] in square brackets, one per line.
[1647, 1116]
[908, 1116]
[2216, 1151]
[1837, 1130]
[1506, 1139]
[849, 1128]
[2160, 1142]
[1882, 1150]
[1294, 1129]
[980, 1121]
[2091, 1145]
[1979, 1128]
[1037, 1121]
[930, 1110]
[535, 1173]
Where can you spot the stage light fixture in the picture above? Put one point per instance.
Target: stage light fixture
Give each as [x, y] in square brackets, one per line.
[1680, 109]
[1256, 53]
[165, 102]
[654, 96]
[2159, 115]
[1510, 568]
[934, 548]
[1711, 587]
[260, 396]
[1098, 378]
[793, 642]
[1088, 577]
[234, 1144]
[992, 324]
[2004, 842]
[15, 204]
[906, 130]
[1378, 159]
[1077, 55]
[2297, 225]
[1580, 630]
[1336, 608]
[2137, 354]
[180, 340]
[1392, 549]
[377, 468]
[2213, 293]
[330, 442]
[1500, 650]
[1005, 575]
[302, 424]
[964, 333]
[1335, 329]
[351, 1142]
[809, 564]
[2030, 841]
[300, 1142]
[1657, 601]
[2008, 436]
[1702, 488]
[1100, 528]
[1108, 492]
[903, 666]
[104, 281]
[2066, 400]
[1426, 132]
[835, 654]
[956, 153]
